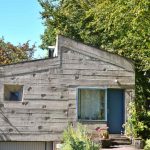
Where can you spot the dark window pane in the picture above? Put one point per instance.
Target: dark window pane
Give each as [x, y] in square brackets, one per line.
[13, 92]
[14, 96]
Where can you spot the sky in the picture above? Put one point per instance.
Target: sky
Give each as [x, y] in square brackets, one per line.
[20, 21]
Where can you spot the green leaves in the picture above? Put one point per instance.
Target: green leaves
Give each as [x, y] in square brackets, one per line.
[12, 54]
[119, 26]
[78, 139]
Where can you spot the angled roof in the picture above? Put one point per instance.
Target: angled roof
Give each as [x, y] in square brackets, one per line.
[96, 53]
[87, 50]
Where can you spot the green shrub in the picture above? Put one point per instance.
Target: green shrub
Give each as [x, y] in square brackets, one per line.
[147, 146]
[145, 118]
[78, 139]
[134, 126]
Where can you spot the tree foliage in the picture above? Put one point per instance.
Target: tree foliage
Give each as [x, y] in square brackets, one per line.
[10, 53]
[119, 26]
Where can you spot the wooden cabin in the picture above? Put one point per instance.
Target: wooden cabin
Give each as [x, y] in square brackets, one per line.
[80, 84]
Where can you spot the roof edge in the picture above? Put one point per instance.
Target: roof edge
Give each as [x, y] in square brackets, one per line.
[27, 61]
[98, 53]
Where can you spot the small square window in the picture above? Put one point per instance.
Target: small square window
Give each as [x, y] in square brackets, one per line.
[92, 104]
[13, 92]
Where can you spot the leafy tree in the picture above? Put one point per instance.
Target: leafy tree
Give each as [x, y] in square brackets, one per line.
[10, 53]
[119, 26]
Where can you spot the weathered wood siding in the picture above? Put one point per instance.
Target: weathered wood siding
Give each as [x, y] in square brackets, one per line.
[49, 92]
[42, 115]
[83, 71]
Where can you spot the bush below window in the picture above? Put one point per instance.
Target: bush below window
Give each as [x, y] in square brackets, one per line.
[78, 139]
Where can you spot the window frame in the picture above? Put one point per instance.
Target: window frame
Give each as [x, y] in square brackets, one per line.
[15, 101]
[77, 102]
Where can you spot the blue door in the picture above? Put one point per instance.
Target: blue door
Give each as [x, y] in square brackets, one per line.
[115, 110]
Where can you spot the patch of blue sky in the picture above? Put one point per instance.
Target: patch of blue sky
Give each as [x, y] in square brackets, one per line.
[20, 21]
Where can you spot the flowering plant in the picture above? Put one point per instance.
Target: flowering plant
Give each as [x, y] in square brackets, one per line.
[103, 132]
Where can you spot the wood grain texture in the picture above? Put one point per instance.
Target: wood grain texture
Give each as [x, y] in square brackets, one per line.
[50, 90]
